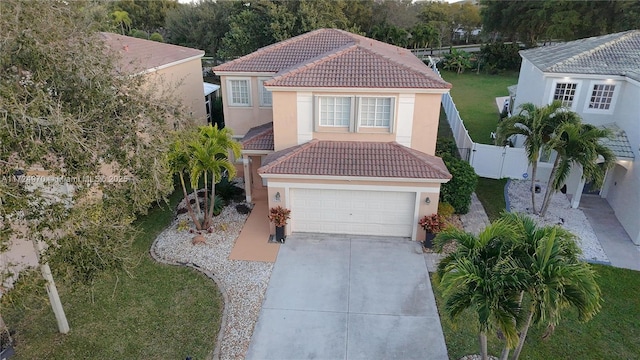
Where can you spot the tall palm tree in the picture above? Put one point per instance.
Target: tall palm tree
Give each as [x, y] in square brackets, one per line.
[557, 279]
[536, 125]
[121, 18]
[480, 275]
[209, 159]
[178, 157]
[578, 144]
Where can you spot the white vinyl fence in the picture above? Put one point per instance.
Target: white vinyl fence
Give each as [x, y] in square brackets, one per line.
[489, 161]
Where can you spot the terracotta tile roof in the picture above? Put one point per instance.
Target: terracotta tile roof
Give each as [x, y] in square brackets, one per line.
[612, 54]
[138, 55]
[355, 158]
[259, 138]
[337, 58]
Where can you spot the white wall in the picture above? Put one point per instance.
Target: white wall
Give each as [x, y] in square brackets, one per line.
[531, 86]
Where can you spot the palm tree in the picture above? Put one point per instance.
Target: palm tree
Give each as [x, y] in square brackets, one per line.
[121, 18]
[179, 163]
[209, 159]
[481, 275]
[556, 278]
[578, 144]
[536, 125]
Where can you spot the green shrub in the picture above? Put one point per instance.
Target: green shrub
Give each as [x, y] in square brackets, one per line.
[218, 205]
[500, 56]
[458, 190]
[446, 145]
[226, 190]
[156, 37]
[140, 34]
[445, 210]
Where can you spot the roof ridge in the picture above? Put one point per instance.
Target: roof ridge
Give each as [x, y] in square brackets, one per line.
[276, 45]
[410, 68]
[288, 155]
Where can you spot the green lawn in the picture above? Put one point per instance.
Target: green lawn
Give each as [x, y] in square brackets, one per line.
[474, 95]
[612, 334]
[491, 194]
[158, 312]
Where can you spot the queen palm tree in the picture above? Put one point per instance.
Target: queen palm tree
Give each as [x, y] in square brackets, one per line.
[480, 275]
[209, 159]
[556, 279]
[179, 163]
[536, 125]
[578, 144]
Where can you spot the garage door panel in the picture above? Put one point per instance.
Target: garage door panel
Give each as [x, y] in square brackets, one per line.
[353, 212]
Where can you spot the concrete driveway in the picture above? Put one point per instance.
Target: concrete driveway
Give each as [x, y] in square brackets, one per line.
[348, 297]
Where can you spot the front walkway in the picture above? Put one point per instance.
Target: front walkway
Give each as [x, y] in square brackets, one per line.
[252, 243]
[622, 252]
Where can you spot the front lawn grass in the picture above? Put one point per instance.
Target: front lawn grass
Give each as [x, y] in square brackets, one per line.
[612, 334]
[491, 194]
[475, 97]
[159, 312]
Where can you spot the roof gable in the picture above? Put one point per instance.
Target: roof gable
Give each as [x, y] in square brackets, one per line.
[138, 55]
[355, 158]
[337, 58]
[613, 54]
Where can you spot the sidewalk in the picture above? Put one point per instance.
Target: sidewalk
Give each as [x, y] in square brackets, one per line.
[252, 243]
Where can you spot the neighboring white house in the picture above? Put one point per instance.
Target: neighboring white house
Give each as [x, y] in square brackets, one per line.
[599, 78]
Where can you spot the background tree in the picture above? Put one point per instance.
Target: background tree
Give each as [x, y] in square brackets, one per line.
[578, 144]
[67, 110]
[148, 16]
[122, 19]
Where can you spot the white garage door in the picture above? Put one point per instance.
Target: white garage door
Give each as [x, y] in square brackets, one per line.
[353, 212]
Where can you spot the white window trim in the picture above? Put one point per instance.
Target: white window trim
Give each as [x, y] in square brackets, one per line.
[392, 114]
[230, 95]
[614, 99]
[317, 112]
[354, 119]
[576, 97]
[261, 91]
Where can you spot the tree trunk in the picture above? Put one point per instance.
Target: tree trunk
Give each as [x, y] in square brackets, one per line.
[534, 169]
[483, 346]
[550, 188]
[52, 291]
[206, 201]
[189, 208]
[505, 353]
[523, 336]
[212, 203]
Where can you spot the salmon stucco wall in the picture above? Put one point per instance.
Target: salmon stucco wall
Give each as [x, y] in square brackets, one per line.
[242, 118]
[185, 81]
[426, 115]
[285, 111]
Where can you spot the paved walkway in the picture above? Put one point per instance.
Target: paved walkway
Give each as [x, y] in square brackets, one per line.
[622, 252]
[348, 297]
[252, 243]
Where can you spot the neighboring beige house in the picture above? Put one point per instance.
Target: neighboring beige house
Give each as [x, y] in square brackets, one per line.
[341, 129]
[172, 67]
[598, 78]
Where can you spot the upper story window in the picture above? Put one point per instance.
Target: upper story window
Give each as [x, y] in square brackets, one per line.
[355, 112]
[265, 95]
[239, 92]
[565, 93]
[335, 111]
[375, 112]
[601, 97]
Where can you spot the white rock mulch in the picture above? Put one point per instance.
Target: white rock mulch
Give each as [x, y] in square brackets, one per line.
[244, 282]
[559, 213]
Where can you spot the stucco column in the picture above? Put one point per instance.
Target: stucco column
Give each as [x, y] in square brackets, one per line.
[575, 200]
[247, 177]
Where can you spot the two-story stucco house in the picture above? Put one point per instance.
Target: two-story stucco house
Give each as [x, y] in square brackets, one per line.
[169, 67]
[599, 78]
[341, 129]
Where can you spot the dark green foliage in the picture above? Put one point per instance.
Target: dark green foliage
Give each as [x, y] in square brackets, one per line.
[446, 146]
[458, 190]
[457, 60]
[226, 190]
[218, 113]
[156, 37]
[218, 205]
[500, 56]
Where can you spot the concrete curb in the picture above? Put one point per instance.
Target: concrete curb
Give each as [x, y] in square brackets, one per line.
[215, 354]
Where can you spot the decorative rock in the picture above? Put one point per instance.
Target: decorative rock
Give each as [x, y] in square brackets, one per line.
[198, 239]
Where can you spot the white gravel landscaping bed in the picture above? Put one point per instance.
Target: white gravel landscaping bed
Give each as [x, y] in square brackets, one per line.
[244, 282]
[560, 213]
